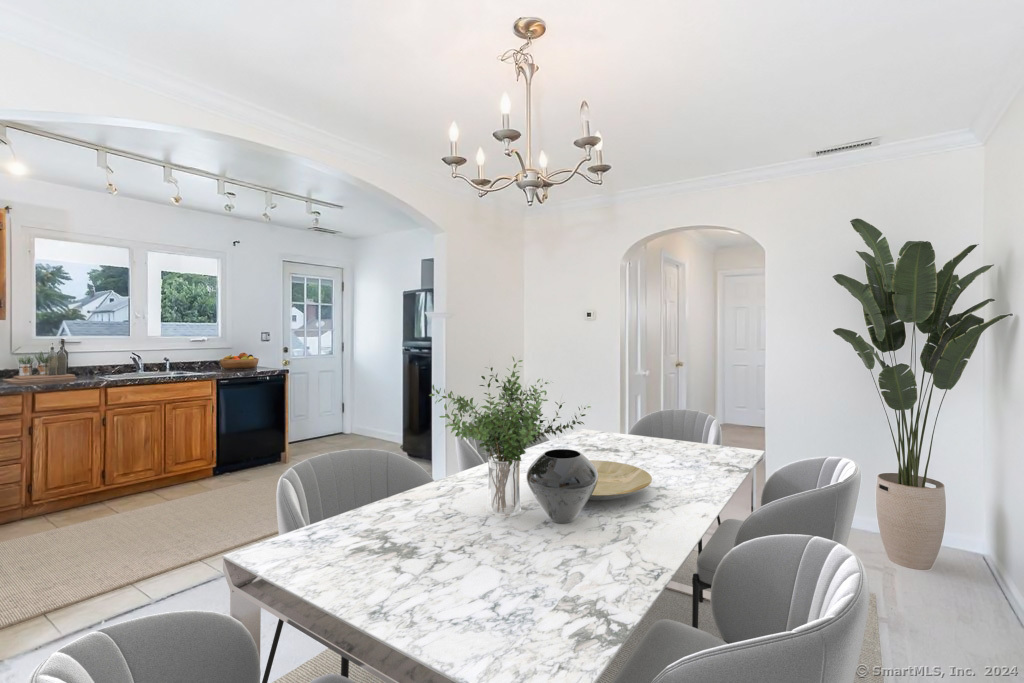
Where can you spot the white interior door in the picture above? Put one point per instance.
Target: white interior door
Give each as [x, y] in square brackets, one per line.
[742, 348]
[673, 334]
[312, 328]
[635, 295]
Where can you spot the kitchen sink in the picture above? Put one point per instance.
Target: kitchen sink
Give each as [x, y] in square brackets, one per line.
[151, 375]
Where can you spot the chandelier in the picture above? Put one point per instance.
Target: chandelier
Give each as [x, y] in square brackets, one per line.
[533, 180]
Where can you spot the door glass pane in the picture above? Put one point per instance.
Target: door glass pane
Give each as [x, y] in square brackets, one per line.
[312, 316]
[326, 291]
[326, 329]
[297, 283]
[82, 290]
[312, 290]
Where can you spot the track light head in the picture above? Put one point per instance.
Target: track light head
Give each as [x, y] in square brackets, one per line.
[169, 178]
[230, 206]
[316, 219]
[269, 205]
[101, 163]
[13, 165]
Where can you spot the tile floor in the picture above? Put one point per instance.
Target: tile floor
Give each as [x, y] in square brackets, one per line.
[69, 620]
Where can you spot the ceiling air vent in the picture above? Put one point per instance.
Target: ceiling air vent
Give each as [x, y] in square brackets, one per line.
[326, 231]
[847, 147]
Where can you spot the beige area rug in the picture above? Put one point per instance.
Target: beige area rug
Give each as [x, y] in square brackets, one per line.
[54, 569]
[669, 605]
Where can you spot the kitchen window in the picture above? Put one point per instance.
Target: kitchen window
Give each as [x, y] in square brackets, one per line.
[115, 295]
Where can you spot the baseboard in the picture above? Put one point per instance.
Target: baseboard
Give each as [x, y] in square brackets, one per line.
[958, 541]
[393, 437]
[1012, 593]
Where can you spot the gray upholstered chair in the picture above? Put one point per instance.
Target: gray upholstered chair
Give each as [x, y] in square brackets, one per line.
[470, 455]
[330, 484]
[163, 648]
[468, 452]
[816, 497]
[790, 608]
[681, 425]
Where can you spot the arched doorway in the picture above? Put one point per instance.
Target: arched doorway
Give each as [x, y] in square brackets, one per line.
[693, 328]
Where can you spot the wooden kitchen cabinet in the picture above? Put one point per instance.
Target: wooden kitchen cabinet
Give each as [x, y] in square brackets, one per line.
[67, 455]
[188, 436]
[134, 444]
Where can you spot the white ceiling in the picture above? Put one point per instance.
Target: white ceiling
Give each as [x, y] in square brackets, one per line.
[681, 89]
[366, 212]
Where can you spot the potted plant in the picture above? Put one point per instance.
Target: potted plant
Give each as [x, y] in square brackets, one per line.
[42, 362]
[908, 305]
[24, 365]
[509, 420]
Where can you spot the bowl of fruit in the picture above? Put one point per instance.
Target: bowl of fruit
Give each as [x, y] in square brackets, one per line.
[242, 361]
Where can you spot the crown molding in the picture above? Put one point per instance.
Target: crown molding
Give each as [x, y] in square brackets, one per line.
[958, 139]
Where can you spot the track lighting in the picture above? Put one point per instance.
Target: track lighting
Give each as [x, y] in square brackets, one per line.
[13, 166]
[101, 162]
[269, 205]
[314, 213]
[230, 196]
[169, 178]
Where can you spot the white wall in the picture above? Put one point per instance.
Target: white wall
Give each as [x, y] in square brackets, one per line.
[819, 398]
[385, 266]
[739, 258]
[1004, 247]
[698, 258]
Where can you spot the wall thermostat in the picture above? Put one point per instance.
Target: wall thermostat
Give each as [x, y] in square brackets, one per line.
[590, 315]
[264, 336]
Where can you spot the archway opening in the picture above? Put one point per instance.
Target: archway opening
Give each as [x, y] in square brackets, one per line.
[693, 329]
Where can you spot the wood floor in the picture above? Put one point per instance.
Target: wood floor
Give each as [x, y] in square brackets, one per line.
[952, 616]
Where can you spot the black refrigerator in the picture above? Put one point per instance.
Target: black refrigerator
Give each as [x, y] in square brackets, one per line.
[417, 306]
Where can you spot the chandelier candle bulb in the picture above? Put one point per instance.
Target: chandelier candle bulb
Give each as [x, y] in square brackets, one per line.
[585, 118]
[543, 159]
[480, 158]
[506, 109]
[599, 147]
[453, 137]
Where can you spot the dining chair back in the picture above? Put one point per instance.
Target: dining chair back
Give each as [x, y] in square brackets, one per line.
[789, 608]
[681, 425]
[163, 648]
[333, 483]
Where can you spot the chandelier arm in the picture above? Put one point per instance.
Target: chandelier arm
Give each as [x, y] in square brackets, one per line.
[522, 164]
[571, 171]
[489, 188]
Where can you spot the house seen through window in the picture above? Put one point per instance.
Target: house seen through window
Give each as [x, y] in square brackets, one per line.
[82, 290]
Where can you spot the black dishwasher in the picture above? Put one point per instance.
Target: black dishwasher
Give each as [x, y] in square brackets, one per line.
[250, 422]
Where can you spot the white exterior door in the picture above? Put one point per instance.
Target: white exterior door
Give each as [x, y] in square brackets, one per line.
[673, 334]
[742, 348]
[634, 337]
[312, 328]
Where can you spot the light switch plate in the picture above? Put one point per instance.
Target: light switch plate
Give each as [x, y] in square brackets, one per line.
[264, 336]
[590, 315]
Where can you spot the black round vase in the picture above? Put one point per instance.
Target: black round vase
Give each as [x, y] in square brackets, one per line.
[562, 480]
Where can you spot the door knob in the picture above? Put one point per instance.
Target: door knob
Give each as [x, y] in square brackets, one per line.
[679, 364]
[286, 362]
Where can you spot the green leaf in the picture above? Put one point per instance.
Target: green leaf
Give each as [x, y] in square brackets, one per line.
[937, 341]
[953, 358]
[945, 280]
[914, 283]
[862, 293]
[898, 386]
[863, 349]
[879, 246]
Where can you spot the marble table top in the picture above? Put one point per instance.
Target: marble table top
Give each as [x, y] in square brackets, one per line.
[479, 597]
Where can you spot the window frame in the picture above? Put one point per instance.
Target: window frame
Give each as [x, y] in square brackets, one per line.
[22, 317]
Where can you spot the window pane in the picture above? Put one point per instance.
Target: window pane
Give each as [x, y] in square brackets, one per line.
[82, 290]
[326, 330]
[184, 295]
[327, 291]
[297, 286]
[312, 290]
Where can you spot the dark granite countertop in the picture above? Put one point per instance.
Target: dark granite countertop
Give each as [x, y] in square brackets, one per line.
[91, 377]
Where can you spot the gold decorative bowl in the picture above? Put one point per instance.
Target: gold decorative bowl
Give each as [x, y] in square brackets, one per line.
[239, 363]
[617, 479]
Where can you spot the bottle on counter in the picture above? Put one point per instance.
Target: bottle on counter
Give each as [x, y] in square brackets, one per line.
[62, 359]
[51, 362]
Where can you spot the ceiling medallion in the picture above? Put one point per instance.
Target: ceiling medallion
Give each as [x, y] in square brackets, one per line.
[533, 180]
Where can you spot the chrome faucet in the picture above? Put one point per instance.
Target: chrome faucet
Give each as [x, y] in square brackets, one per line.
[137, 359]
[167, 364]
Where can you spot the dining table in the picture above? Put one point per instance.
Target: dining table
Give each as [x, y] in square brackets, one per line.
[431, 586]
